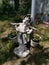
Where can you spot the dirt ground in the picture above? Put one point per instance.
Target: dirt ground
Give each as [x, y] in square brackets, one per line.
[37, 58]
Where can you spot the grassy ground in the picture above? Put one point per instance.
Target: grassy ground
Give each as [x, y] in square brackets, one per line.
[37, 57]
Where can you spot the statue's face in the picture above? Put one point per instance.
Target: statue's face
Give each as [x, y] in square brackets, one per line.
[26, 20]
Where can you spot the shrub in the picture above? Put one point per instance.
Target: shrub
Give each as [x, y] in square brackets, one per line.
[18, 18]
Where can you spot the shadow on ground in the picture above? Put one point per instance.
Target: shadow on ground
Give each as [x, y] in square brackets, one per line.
[40, 58]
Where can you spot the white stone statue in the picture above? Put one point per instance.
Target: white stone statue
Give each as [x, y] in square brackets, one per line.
[23, 29]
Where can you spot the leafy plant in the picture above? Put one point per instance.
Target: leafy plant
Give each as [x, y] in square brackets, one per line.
[18, 18]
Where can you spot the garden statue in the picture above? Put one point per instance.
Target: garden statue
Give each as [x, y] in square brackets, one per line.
[23, 29]
[26, 28]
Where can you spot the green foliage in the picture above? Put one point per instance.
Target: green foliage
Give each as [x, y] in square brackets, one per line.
[25, 7]
[7, 11]
[36, 38]
[16, 4]
[44, 33]
[45, 37]
[5, 52]
[2, 58]
[18, 18]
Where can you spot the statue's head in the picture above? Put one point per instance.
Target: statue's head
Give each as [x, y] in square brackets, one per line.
[26, 20]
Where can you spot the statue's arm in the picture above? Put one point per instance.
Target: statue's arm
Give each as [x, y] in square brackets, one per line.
[15, 24]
